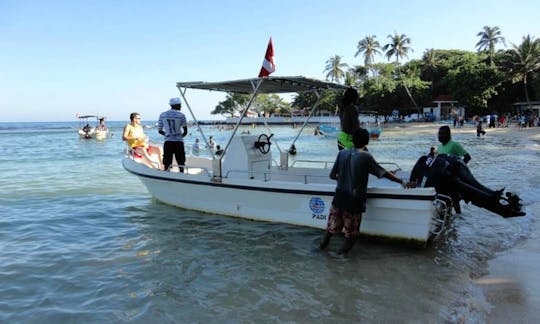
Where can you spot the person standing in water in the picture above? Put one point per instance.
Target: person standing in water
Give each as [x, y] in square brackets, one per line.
[351, 170]
[450, 147]
[479, 129]
[102, 126]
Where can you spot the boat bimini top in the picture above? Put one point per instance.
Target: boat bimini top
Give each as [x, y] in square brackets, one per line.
[255, 86]
[264, 85]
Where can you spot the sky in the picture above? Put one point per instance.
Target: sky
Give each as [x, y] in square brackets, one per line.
[114, 57]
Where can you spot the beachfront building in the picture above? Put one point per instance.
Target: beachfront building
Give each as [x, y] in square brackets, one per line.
[532, 107]
[445, 108]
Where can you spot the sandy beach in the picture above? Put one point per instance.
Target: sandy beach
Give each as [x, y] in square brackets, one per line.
[511, 285]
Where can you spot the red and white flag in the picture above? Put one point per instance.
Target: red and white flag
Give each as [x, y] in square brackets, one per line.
[268, 65]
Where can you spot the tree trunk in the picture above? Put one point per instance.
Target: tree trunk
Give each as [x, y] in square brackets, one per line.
[412, 99]
[526, 92]
[407, 89]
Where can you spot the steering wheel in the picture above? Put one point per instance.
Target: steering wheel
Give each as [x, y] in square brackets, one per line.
[263, 143]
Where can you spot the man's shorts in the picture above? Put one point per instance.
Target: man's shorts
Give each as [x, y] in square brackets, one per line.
[342, 221]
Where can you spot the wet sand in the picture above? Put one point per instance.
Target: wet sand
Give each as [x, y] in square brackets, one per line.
[512, 285]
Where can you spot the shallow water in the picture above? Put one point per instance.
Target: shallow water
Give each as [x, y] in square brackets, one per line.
[83, 241]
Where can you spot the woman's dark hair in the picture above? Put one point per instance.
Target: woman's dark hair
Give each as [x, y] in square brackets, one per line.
[350, 96]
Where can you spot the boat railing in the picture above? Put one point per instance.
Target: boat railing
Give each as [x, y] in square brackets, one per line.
[190, 169]
[443, 205]
[269, 175]
[325, 163]
[330, 163]
[306, 178]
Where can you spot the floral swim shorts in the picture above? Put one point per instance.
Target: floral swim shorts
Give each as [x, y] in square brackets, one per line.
[342, 221]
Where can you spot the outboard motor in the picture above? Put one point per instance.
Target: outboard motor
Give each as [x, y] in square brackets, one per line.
[449, 175]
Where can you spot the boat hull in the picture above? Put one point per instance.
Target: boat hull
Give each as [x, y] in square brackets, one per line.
[93, 134]
[392, 213]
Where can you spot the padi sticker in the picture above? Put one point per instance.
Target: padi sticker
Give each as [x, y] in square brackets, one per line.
[316, 205]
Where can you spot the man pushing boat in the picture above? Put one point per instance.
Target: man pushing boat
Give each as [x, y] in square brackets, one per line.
[351, 170]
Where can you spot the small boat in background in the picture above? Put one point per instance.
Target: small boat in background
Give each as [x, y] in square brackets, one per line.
[375, 132]
[99, 131]
[332, 131]
[327, 131]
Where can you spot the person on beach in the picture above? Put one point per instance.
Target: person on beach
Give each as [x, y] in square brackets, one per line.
[173, 125]
[137, 142]
[351, 170]
[348, 116]
[451, 147]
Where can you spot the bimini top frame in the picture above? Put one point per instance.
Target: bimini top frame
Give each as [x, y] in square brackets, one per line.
[264, 85]
[253, 87]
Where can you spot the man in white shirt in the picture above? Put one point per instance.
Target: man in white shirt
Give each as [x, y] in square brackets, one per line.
[173, 125]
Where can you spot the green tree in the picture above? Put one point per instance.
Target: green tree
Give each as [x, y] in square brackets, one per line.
[232, 105]
[398, 48]
[524, 60]
[489, 37]
[445, 61]
[350, 78]
[430, 61]
[269, 103]
[386, 93]
[472, 81]
[369, 47]
[335, 69]
[306, 100]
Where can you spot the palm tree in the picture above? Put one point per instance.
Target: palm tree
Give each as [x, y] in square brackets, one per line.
[350, 78]
[399, 49]
[489, 37]
[524, 60]
[369, 46]
[334, 68]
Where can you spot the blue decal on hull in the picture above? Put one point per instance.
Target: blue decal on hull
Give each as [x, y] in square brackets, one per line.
[316, 205]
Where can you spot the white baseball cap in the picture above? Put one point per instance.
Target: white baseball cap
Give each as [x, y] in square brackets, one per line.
[174, 101]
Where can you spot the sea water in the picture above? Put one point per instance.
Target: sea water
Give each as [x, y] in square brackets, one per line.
[83, 241]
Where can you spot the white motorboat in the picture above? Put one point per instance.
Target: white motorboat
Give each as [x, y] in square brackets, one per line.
[247, 182]
[97, 131]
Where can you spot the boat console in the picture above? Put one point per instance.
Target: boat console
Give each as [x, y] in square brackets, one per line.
[248, 152]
